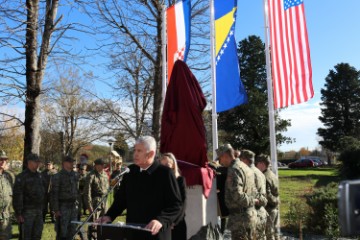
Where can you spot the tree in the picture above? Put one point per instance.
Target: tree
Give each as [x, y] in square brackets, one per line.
[27, 29]
[304, 152]
[121, 146]
[11, 139]
[66, 109]
[133, 40]
[247, 126]
[340, 112]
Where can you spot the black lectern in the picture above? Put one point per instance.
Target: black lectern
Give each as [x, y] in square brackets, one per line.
[122, 232]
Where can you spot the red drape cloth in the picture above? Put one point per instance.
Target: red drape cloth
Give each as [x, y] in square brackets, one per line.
[182, 126]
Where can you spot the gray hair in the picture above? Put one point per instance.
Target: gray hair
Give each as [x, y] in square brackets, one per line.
[149, 143]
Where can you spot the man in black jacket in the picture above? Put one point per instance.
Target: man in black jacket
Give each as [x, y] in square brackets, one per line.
[149, 193]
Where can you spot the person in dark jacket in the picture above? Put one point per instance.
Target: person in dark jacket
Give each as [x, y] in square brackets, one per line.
[28, 199]
[149, 193]
[179, 227]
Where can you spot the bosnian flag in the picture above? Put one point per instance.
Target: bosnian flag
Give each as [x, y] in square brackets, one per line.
[178, 33]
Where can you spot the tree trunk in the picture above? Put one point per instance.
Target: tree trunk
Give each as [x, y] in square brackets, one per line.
[35, 68]
[158, 82]
[32, 104]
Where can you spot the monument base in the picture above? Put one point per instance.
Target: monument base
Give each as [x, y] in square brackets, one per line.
[199, 210]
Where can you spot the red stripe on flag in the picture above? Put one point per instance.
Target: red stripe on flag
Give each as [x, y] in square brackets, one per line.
[290, 55]
[172, 44]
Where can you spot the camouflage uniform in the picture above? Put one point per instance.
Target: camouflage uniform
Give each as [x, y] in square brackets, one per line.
[260, 183]
[28, 202]
[82, 180]
[64, 198]
[96, 186]
[240, 192]
[6, 184]
[47, 176]
[272, 195]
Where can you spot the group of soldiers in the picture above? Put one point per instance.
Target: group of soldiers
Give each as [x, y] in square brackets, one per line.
[250, 194]
[68, 193]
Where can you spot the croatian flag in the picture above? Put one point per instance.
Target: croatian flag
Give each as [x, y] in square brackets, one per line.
[178, 33]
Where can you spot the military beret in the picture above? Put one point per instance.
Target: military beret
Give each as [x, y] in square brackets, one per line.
[68, 159]
[224, 148]
[99, 161]
[247, 154]
[33, 157]
[263, 158]
[3, 155]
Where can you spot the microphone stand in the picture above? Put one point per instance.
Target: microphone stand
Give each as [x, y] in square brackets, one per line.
[111, 188]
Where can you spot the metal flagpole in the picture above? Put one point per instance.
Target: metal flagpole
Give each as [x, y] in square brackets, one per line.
[270, 95]
[271, 105]
[213, 77]
[164, 56]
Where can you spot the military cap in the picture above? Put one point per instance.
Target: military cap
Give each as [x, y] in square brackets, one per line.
[68, 159]
[247, 154]
[99, 161]
[224, 148]
[33, 157]
[3, 155]
[263, 158]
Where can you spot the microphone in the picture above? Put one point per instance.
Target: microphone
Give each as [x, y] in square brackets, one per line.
[115, 180]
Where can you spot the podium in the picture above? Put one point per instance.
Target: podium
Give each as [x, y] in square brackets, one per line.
[124, 232]
[120, 231]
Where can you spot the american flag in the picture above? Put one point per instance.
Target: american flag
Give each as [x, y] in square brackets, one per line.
[290, 53]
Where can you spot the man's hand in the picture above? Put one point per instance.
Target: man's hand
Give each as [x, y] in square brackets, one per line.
[20, 219]
[154, 226]
[104, 219]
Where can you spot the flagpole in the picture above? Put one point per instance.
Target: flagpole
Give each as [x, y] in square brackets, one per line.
[213, 78]
[163, 52]
[271, 105]
[270, 95]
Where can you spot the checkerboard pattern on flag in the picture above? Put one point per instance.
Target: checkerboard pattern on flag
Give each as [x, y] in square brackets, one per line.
[178, 33]
[290, 53]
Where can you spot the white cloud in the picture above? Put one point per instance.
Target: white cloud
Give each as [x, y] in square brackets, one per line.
[304, 124]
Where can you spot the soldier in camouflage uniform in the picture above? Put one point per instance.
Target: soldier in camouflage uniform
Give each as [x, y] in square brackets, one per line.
[82, 179]
[272, 195]
[47, 174]
[64, 199]
[6, 184]
[28, 199]
[240, 193]
[248, 157]
[96, 186]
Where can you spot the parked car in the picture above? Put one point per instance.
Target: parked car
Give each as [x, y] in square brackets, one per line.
[302, 163]
[318, 162]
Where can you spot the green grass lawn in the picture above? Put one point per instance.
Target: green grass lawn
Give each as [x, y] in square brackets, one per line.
[295, 183]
